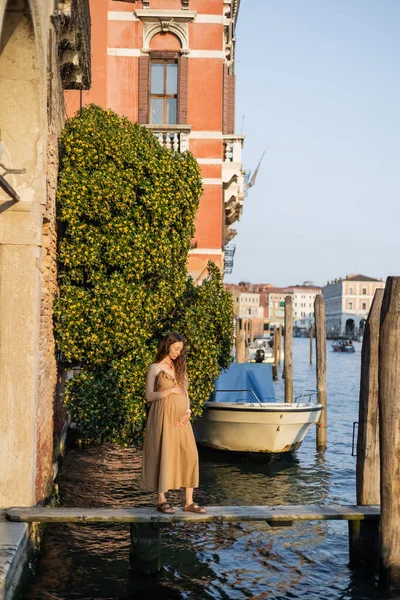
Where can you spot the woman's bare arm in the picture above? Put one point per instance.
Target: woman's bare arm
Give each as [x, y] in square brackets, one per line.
[187, 394]
[151, 395]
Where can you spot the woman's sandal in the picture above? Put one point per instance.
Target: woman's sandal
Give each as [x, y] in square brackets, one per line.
[165, 508]
[195, 508]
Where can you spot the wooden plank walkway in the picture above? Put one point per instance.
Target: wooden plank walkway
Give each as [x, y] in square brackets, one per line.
[284, 515]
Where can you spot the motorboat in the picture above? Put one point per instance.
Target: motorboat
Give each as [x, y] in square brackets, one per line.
[244, 416]
[261, 347]
[343, 346]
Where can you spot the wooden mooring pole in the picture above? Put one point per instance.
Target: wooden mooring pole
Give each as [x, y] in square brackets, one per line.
[311, 341]
[364, 535]
[279, 340]
[320, 342]
[389, 434]
[275, 348]
[241, 346]
[288, 349]
[275, 370]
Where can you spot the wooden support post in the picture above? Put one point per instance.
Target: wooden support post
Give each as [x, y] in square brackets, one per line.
[364, 544]
[364, 536]
[275, 365]
[279, 340]
[237, 333]
[311, 341]
[241, 347]
[320, 341]
[368, 470]
[145, 552]
[389, 433]
[288, 340]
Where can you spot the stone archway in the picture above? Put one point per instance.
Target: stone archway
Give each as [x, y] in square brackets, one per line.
[350, 327]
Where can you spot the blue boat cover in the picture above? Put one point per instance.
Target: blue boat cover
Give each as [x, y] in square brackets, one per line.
[245, 376]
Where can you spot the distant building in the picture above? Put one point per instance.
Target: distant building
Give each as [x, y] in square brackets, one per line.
[275, 304]
[303, 304]
[248, 311]
[247, 304]
[347, 303]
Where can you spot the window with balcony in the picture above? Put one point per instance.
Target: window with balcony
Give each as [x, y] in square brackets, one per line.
[164, 92]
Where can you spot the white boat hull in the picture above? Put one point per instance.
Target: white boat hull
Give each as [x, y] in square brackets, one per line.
[270, 428]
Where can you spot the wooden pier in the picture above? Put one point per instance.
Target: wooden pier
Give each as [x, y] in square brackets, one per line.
[146, 524]
[271, 514]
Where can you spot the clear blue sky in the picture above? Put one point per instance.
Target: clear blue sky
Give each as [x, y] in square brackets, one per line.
[318, 81]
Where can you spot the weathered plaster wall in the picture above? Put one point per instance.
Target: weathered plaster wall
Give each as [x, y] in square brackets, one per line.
[31, 118]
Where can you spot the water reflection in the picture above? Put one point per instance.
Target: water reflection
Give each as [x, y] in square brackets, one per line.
[220, 560]
[240, 480]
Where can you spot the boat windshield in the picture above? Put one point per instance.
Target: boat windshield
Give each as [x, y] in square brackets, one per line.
[250, 377]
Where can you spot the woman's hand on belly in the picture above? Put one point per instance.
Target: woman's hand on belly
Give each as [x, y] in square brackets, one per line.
[178, 390]
[183, 420]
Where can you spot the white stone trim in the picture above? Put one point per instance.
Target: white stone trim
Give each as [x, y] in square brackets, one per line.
[206, 135]
[206, 251]
[173, 21]
[211, 19]
[119, 15]
[212, 181]
[209, 161]
[124, 52]
[160, 14]
[139, 52]
[220, 54]
[123, 15]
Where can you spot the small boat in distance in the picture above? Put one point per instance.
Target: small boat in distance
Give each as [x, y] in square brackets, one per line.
[343, 346]
[243, 415]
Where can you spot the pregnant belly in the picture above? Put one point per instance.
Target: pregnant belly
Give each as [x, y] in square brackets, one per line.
[180, 405]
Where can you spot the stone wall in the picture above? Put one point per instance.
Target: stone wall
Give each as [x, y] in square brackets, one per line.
[39, 38]
[47, 428]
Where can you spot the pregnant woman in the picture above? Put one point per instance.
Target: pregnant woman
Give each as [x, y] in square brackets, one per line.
[170, 458]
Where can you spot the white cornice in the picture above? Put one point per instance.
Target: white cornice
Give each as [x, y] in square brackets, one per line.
[156, 14]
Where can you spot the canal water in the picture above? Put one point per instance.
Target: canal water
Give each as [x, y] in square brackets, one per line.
[218, 561]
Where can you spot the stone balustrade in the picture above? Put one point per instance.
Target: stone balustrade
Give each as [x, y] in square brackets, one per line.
[172, 137]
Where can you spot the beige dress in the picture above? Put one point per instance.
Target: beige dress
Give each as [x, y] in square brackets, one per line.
[170, 457]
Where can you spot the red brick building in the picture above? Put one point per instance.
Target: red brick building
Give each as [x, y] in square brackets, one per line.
[169, 65]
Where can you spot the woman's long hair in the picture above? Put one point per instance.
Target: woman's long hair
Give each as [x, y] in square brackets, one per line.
[180, 362]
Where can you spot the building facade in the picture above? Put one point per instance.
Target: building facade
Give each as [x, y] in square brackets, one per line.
[246, 305]
[45, 48]
[248, 311]
[347, 303]
[275, 303]
[170, 66]
[303, 305]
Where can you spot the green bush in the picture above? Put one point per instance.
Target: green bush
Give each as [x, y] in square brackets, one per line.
[127, 209]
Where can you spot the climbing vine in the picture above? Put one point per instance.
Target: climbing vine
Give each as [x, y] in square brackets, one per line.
[126, 210]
